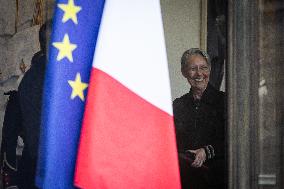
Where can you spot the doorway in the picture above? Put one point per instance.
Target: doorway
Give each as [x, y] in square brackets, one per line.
[255, 94]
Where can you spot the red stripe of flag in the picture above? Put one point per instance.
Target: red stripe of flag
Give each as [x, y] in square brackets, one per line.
[126, 142]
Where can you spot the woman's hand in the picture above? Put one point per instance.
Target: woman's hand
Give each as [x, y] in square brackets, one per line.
[200, 157]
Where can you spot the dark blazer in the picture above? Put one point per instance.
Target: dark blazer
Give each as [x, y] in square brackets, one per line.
[200, 124]
[30, 99]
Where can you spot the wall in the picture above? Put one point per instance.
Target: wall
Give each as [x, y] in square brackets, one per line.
[182, 27]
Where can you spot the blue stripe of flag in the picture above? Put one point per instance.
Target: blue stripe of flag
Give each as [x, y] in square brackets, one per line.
[62, 116]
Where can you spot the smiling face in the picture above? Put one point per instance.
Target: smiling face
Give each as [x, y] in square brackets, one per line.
[197, 72]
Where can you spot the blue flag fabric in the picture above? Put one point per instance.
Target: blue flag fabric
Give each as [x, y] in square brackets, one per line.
[71, 50]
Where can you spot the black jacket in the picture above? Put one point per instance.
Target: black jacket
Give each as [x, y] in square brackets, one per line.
[200, 124]
[30, 100]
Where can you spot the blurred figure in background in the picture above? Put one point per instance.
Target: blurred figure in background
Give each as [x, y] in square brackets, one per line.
[30, 95]
[23, 117]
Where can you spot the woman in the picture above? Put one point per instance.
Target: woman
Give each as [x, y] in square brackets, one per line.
[199, 122]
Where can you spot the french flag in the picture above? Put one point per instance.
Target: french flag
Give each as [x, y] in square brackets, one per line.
[127, 138]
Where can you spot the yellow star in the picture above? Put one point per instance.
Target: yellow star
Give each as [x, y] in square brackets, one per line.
[65, 48]
[70, 11]
[78, 87]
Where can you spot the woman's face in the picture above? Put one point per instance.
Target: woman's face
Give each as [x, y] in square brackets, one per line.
[197, 72]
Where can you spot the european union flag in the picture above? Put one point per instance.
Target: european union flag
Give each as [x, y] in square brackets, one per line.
[71, 50]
